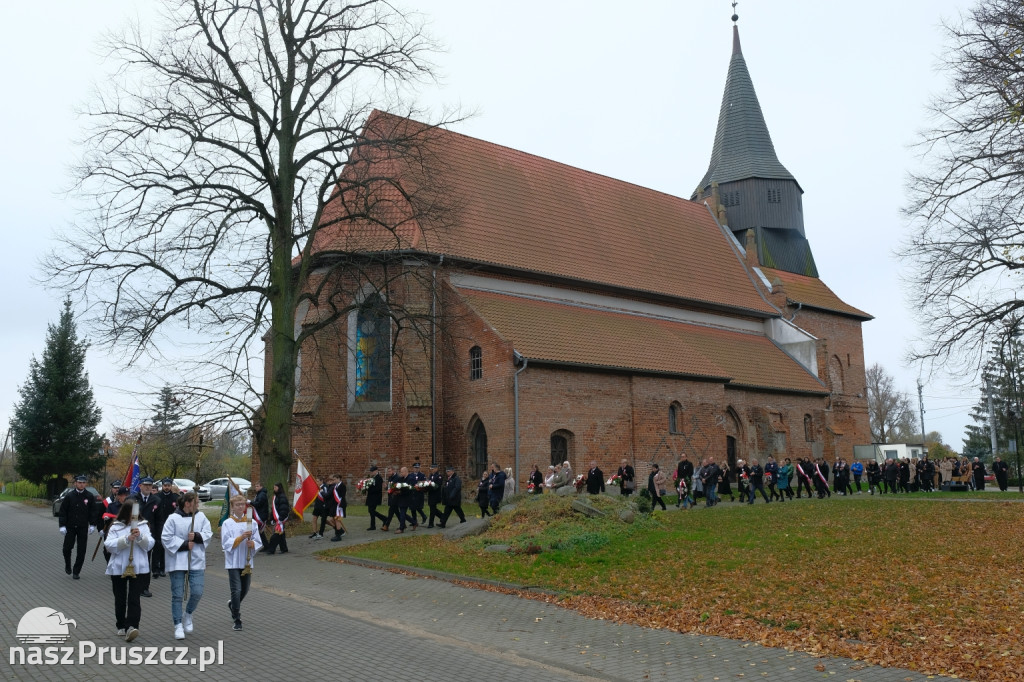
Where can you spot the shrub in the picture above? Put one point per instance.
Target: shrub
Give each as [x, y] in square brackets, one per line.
[26, 489]
[644, 503]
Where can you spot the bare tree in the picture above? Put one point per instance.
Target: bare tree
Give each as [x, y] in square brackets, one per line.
[967, 202]
[211, 161]
[890, 412]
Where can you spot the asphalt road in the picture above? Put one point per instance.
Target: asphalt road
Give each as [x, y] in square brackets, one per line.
[312, 619]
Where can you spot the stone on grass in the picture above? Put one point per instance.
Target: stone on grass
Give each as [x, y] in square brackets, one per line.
[627, 516]
[566, 490]
[497, 548]
[582, 506]
[469, 528]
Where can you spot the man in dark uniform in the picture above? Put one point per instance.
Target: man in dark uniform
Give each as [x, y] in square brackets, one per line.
[595, 480]
[148, 506]
[496, 487]
[79, 513]
[261, 508]
[167, 504]
[416, 506]
[1001, 470]
[374, 498]
[434, 494]
[452, 497]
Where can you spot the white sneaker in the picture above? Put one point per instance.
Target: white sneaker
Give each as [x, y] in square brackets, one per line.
[120, 633]
[179, 632]
[131, 634]
[186, 621]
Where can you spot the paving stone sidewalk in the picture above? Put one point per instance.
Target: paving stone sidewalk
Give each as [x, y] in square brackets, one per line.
[305, 616]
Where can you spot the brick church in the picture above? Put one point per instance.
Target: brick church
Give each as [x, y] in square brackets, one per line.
[560, 315]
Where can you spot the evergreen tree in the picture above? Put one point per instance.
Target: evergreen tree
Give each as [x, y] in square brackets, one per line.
[54, 424]
[167, 452]
[1001, 373]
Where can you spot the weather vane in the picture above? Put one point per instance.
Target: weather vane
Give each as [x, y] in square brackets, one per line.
[735, 17]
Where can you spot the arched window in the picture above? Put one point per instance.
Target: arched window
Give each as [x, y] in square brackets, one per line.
[561, 444]
[808, 428]
[674, 412]
[476, 363]
[478, 446]
[371, 382]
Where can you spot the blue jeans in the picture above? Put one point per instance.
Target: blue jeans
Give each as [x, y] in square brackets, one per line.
[195, 589]
[711, 494]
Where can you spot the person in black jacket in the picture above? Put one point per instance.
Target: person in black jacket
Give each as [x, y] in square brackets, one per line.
[276, 520]
[496, 487]
[756, 482]
[978, 467]
[628, 475]
[79, 513]
[261, 508]
[148, 506]
[374, 498]
[434, 494]
[416, 501]
[337, 506]
[482, 489]
[684, 469]
[536, 479]
[167, 504]
[1001, 470]
[451, 495]
[595, 480]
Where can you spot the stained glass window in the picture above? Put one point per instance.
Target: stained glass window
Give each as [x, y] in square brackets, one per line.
[373, 353]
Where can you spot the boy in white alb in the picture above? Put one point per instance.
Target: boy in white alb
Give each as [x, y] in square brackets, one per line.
[240, 544]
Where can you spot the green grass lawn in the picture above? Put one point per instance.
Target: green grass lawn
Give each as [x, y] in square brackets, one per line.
[930, 582]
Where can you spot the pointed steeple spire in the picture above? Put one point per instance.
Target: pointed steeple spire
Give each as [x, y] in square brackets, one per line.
[743, 146]
[747, 181]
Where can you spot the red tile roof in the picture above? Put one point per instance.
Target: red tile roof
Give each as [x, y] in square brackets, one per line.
[578, 335]
[811, 291]
[514, 210]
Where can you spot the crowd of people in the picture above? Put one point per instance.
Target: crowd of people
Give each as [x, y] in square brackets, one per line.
[156, 534]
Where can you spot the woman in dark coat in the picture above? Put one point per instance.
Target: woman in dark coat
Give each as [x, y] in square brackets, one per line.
[537, 479]
[483, 493]
[281, 506]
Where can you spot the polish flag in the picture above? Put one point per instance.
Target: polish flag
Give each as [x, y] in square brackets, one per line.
[306, 489]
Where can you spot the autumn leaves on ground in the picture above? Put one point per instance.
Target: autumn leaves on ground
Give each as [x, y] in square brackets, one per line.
[927, 582]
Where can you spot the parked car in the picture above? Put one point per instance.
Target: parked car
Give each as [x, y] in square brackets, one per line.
[184, 484]
[218, 486]
[203, 493]
[60, 498]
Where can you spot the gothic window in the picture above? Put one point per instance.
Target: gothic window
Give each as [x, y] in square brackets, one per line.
[674, 411]
[373, 352]
[478, 445]
[808, 428]
[561, 444]
[476, 363]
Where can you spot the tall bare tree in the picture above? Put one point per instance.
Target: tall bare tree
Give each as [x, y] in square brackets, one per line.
[890, 412]
[967, 202]
[212, 154]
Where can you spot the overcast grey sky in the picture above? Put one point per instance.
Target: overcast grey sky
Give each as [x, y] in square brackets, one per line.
[628, 90]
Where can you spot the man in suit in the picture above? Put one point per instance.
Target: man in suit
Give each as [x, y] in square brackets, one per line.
[78, 515]
[167, 504]
[148, 506]
[451, 495]
[416, 505]
[496, 487]
[595, 480]
[434, 494]
[374, 498]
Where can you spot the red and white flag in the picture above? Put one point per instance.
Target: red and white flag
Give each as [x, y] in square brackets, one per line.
[306, 489]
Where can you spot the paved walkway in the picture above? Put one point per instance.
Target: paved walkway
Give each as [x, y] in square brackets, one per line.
[307, 618]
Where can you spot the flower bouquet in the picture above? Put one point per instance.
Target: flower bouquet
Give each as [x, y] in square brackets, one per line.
[363, 485]
[616, 480]
[579, 481]
[532, 487]
[425, 485]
